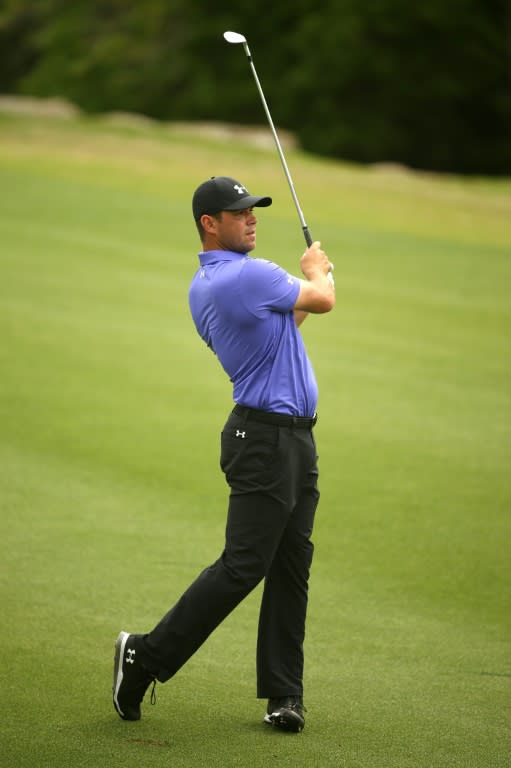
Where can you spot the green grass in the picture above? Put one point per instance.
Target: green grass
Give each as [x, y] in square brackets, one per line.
[111, 497]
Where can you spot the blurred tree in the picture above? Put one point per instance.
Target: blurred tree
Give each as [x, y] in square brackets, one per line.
[18, 24]
[111, 54]
[428, 85]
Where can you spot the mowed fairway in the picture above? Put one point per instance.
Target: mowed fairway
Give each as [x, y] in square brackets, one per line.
[111, 496]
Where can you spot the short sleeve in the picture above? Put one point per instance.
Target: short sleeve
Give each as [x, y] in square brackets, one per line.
[266, 286]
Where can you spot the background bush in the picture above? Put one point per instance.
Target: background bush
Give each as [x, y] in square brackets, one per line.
[428, 85]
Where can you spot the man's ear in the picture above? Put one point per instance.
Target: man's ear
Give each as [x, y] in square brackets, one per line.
[208, 223]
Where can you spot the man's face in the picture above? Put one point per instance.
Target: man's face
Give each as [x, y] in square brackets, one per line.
[235, 230]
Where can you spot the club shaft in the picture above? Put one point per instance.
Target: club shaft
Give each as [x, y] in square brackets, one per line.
[305, 229]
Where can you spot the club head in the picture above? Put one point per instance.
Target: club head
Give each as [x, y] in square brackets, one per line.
[234, 37]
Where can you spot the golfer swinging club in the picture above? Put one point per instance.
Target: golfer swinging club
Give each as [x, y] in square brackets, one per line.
[248, 310]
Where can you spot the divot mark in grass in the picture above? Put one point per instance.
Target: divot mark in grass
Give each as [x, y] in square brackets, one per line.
[148, 742]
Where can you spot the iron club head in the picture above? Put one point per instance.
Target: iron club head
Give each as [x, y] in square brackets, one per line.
[234, 37]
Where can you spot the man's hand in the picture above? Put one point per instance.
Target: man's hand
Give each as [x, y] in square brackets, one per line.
[317, 293]
[315, 260]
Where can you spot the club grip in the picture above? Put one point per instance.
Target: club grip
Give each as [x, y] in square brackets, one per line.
[307, 235]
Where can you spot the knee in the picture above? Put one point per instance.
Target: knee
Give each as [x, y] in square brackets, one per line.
[247, 571]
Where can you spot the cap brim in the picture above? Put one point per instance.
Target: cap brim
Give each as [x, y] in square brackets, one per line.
[249, 201]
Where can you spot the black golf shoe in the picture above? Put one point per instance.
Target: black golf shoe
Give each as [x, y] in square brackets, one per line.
[286, 713]
[131, 679]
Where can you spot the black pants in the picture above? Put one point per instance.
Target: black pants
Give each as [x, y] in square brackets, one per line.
[272, 473]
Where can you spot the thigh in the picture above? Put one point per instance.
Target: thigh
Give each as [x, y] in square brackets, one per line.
[255, 526]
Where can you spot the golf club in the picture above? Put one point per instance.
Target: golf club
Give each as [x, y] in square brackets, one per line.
[236, 38]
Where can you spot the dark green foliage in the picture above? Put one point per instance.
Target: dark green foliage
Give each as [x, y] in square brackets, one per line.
[426, 84]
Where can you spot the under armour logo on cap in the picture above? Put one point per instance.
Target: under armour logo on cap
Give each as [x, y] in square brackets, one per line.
[221, 193]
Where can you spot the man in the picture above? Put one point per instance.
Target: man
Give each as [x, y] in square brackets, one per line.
[248, 311]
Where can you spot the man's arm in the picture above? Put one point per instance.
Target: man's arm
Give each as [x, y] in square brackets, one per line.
[317, 293]
[300, 316]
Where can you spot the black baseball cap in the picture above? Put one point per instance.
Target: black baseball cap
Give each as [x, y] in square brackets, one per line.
[221, 193]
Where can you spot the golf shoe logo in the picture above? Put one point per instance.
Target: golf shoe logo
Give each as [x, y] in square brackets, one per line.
[240, 434]
[129, 656]
[239, 189]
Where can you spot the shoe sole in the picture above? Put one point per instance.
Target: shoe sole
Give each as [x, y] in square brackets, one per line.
[120, 645]
[286, 721]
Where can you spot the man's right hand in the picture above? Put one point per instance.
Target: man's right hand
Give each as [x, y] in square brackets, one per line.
[317, 293]
[314, 260]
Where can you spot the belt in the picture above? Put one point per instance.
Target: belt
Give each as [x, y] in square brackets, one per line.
[279, 419]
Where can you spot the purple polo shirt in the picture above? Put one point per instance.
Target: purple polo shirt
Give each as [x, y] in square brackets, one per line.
[243, 309]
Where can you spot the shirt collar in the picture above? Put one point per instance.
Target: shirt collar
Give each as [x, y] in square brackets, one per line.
[210, 257]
